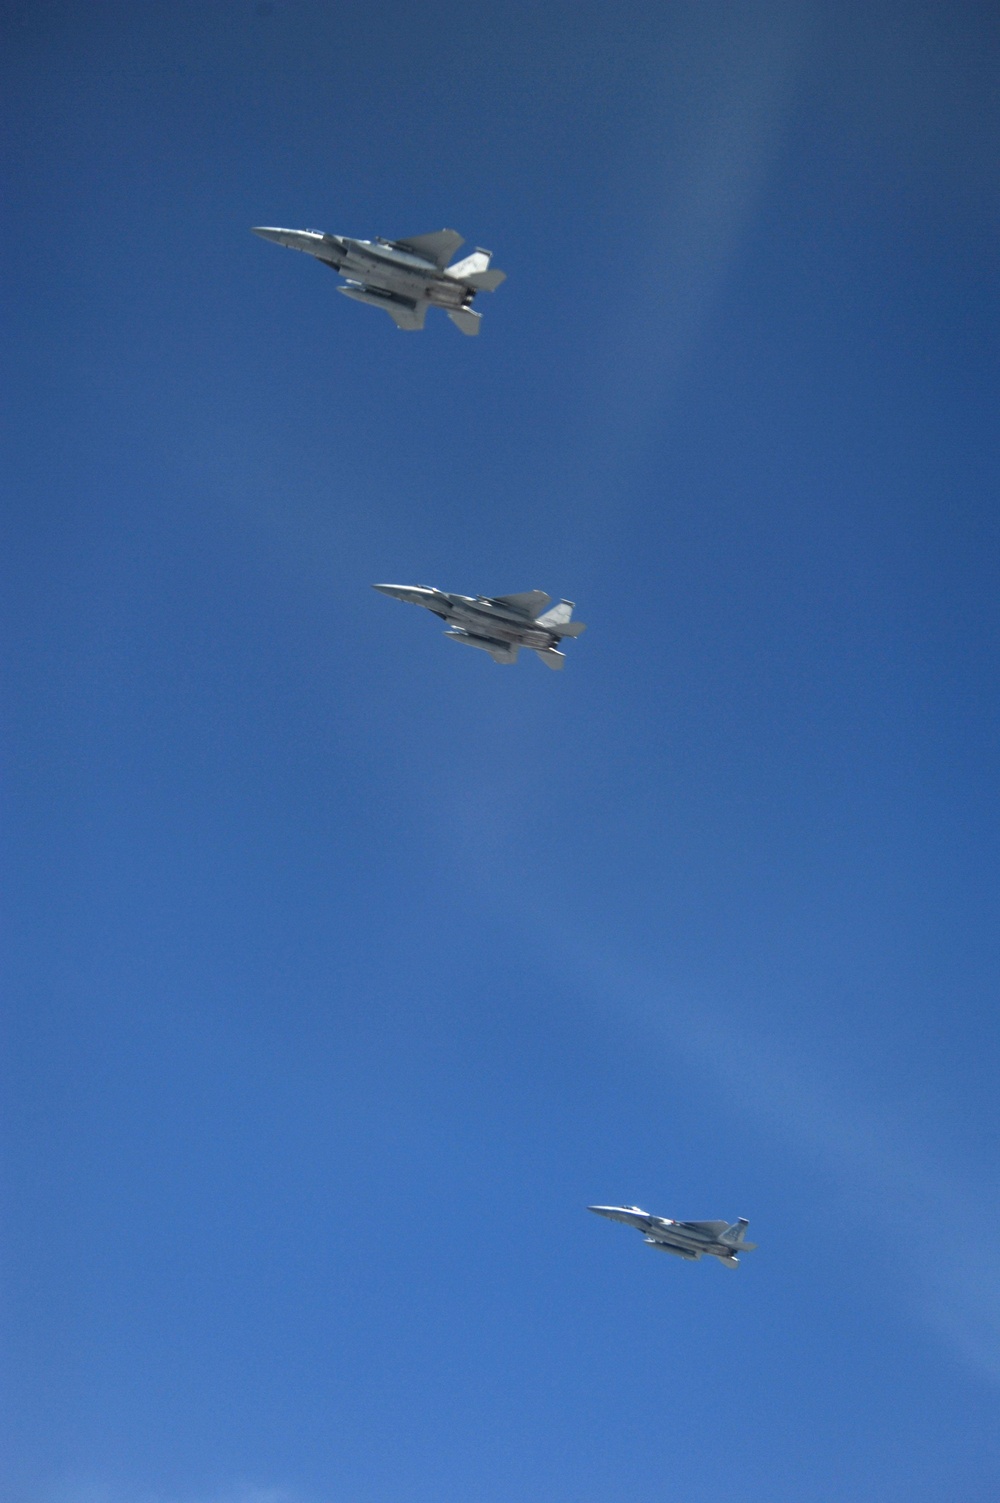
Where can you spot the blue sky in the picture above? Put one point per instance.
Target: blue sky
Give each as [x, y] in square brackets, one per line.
[343, 970]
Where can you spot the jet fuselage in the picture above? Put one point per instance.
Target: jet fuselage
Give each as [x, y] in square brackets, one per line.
[376, 263]
[486, 619]
[404, 277]
[686, 1239]
[500, 626]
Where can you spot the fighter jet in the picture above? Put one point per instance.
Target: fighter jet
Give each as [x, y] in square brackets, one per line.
[402, 276]
[501, 625]
[685, 1239]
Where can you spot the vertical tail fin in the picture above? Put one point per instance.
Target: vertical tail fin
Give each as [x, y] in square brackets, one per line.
[558, 620]
[735, 1234]
[558, 615]
[475, 271]
[478, 261]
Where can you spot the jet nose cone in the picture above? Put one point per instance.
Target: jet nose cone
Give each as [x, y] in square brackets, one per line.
[628, 1215]
[413, 594]
[268, 234]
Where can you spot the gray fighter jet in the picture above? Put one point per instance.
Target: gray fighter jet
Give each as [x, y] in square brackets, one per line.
[405, 277]
[500, 625]
[685, 1239]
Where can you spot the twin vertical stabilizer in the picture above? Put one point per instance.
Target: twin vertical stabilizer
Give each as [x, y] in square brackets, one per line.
[557, 620]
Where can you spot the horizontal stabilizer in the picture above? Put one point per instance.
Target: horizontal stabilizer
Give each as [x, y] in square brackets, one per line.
[551, 656]
[530, 601]
[437, 248]
[465, 319]
[485, 281]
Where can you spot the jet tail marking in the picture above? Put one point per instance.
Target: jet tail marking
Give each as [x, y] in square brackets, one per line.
[475, 272]
[477, 262]
[558, 620]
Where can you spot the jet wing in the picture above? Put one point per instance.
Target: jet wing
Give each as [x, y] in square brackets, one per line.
[710, 1228]
[406, 315]
[531, 602]
[500, 652]
[437, 248]
[405, 312]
